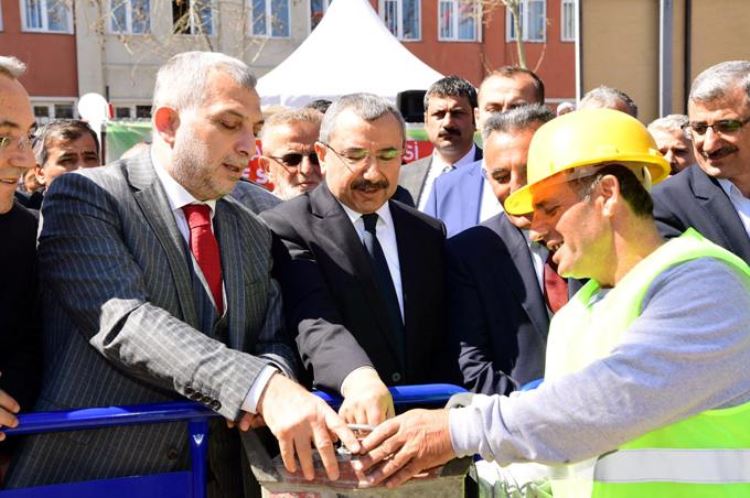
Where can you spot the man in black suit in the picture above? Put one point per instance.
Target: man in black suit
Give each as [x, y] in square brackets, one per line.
[714, 198]
[20, 361]
[363, 277]
[449, 106]
[499, 310]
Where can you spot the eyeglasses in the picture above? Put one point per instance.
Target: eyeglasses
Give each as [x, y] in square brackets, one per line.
[723, 126]
[294, 159]
[22, 142]
[357, 158]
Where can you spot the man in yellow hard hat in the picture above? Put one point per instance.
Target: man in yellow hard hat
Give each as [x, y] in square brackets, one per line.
[646, 392]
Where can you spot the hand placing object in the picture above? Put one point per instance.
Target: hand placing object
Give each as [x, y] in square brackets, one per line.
[367, 401]
[404, 446]
[301, 421]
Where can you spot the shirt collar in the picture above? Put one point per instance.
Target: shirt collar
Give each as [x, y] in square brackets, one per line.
[730, 188]
[384, 213]
[468, 158]
[177, 195]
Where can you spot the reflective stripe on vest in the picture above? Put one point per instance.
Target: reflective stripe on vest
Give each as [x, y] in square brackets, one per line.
[576, 339]
[670, 465]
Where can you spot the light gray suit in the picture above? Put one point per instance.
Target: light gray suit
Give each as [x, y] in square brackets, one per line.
[413, 176]
[126, 321]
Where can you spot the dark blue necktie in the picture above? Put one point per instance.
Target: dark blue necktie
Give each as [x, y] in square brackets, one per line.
[383, 281]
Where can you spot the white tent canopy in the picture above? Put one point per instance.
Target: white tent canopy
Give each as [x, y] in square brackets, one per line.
[351, 50]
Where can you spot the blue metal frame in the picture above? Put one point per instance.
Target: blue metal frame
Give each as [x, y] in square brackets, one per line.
[182, 484]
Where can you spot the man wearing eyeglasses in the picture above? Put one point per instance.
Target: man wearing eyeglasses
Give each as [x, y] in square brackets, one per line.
[19, 356]
[363, 278]
[288, 139]
[715, 197]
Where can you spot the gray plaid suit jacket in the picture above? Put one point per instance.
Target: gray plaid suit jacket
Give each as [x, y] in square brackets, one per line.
[122, 326]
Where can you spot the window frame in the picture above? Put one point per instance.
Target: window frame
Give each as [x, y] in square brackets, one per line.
[511, 37]
[45, 19]
[51, 106]
[571, 38]
[269, 21]
[1, 16]
[455, 22]
[128, 19]
[326, 6]
[193, 31]
[400, 19]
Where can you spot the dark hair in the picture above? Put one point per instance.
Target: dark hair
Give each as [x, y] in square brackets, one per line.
[451, 86]
[632, 190]
[60, 129]
[517, 119]
[320, 105]
[513, 71]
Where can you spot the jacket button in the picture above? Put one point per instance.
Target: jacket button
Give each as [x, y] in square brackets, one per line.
[172, 454]
[396, 377]
[215, 405]
[189, 391]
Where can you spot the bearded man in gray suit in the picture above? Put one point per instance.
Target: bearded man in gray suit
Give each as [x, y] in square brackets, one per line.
[157, 287]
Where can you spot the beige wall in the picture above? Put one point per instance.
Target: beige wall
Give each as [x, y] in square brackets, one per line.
[621, 49]
[720, 32]
[621, 45]
[127, 66]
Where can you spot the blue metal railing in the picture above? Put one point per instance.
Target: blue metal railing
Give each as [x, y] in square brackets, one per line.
[178, 484]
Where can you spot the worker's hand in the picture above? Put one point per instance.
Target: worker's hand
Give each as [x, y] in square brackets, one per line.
[9, 407]
[366, 399]
[300, 421]
[415, 441]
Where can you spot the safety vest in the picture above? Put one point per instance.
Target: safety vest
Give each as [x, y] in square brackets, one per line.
[706, 455]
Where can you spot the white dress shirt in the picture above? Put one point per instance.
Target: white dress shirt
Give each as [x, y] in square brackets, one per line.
[178, 198]
[386, 233]
[438, 167]
[489, 206]
[740, 202]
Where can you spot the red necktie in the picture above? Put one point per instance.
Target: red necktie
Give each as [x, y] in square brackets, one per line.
[555, 287]
[205, 249]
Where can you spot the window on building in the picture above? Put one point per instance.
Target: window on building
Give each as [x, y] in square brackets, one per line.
[143, 111]
[402, 18]
[64, 111]
[193, 17]
[269, 18]
[459, 20]
[568, 19]
[47, 15]
[130, 16]
[44, 112]
[122, 112]
[317, 9]
[1, 16]
[533, 21]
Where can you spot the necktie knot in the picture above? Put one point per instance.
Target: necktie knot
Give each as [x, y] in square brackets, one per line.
[197, 215]
[371, 221]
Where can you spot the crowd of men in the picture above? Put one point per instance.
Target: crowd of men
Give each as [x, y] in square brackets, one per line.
[542, 254]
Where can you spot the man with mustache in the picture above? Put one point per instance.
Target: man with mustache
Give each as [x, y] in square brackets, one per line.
[463, 198]
[449, 106]
[362, 275]
[714, 198]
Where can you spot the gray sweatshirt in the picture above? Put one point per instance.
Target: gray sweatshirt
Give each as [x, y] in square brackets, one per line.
[688, 351]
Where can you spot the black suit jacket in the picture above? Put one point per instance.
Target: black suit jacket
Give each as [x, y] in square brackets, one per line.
[333, 304]
[693, 199]
[497, 309]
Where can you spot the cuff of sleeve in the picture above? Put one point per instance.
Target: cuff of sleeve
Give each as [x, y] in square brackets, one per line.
[466, 430]
[349, 376]
[250, 404]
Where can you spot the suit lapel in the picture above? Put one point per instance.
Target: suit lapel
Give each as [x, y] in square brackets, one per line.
[230, 246]
[529, 294]
[152, 200]
[722, 211]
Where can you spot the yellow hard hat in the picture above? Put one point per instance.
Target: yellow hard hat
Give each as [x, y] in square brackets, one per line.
[585, 138]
